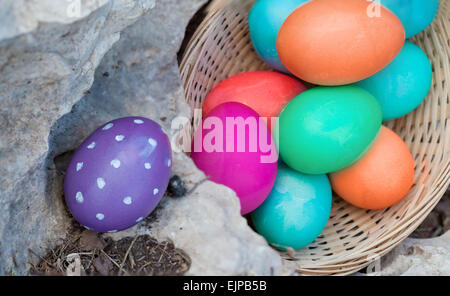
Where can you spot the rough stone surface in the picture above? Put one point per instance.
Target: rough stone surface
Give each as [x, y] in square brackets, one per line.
[220, 243]
[42, 74]
[22, 16]
[50, 101]
[418, 257]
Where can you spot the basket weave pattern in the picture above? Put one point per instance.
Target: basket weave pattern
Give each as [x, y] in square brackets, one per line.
[353, 238]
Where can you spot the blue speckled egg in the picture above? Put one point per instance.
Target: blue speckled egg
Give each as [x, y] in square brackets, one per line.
[296, 211]
[403, 84]
[265, 20]
[415, 15]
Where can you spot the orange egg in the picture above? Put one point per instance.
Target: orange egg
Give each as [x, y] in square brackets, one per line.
[381, 178]
[336, 42]
[265, 92]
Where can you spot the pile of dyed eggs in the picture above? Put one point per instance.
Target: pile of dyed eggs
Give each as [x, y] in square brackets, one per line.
[329, 136]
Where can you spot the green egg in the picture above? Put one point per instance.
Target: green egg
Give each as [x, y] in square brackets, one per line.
[326, 129]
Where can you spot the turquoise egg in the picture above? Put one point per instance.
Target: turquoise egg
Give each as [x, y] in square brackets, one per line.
[403, 84]
[265, 20]
[415, 15]
[296, 211]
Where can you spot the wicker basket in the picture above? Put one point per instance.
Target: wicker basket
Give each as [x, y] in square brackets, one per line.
[353, 238]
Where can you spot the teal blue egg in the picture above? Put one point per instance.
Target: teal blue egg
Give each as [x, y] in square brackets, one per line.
[296, 211]
[415, 15]
[265, 20]
[403, 84]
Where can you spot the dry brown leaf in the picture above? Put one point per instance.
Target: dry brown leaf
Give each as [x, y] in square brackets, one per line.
[103, 265]
[90, 241]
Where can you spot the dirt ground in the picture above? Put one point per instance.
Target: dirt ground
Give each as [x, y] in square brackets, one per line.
[88, 253]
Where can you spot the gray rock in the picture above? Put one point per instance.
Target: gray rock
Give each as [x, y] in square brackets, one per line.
[136, 74]
[23, 16]
[42, 74]
[220, 242]
[417, 257]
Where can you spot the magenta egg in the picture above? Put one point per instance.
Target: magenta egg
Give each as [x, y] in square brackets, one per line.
[119, 174]
[233, 147]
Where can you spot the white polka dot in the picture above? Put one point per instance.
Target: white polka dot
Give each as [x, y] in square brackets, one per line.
[139, 219]
[127, 200]
[138, 121]
[155, 191]
[100, 216]
[147, 165]
[79, 197]
[152, 142]
[115, 163]
[101, 183]
[79, 166]
[169, 162]
[91, 146]
[120, 138]
[108, 126]
[112, 231]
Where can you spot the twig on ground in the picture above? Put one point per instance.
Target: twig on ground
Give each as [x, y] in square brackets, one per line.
[126, 254]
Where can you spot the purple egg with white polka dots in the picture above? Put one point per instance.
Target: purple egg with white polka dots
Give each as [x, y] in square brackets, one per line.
[119, 174]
